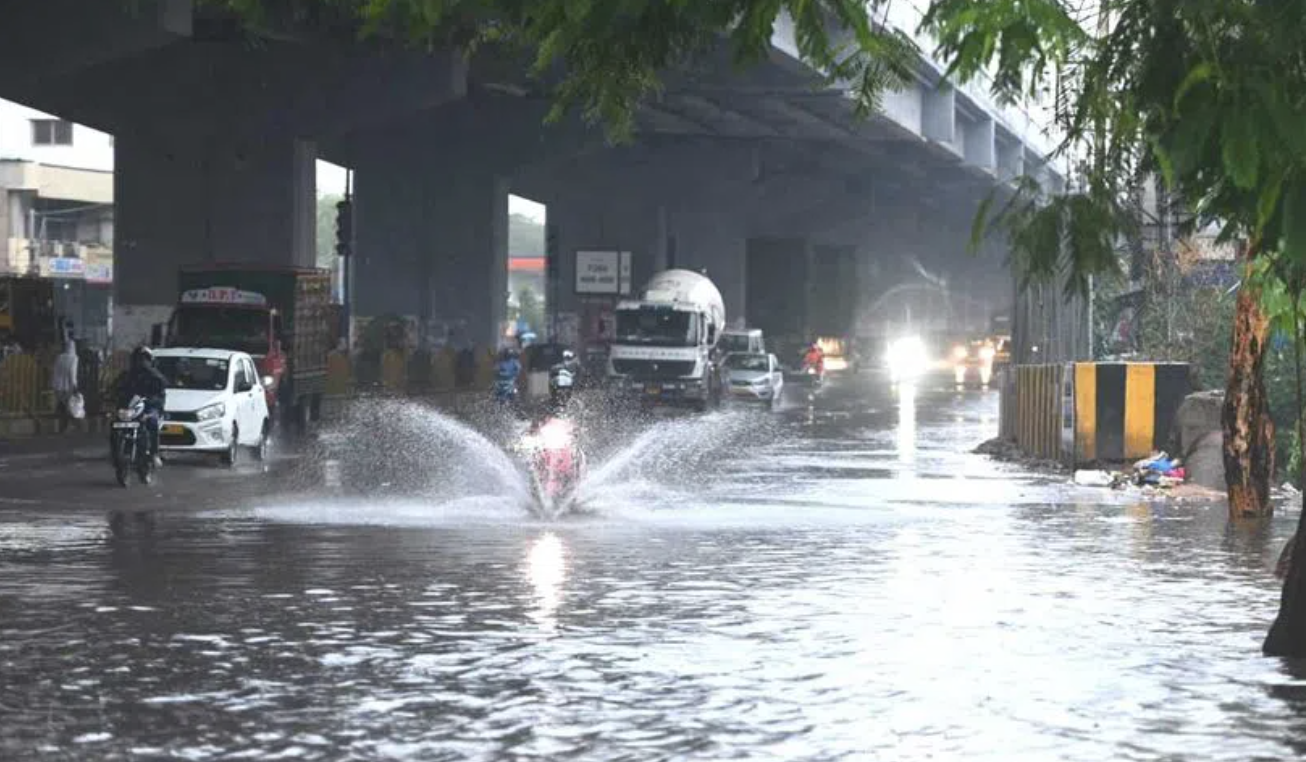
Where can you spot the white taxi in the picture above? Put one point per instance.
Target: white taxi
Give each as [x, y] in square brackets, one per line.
[215, 403]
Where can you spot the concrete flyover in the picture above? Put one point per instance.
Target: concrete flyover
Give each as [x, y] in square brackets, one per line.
[217, 132]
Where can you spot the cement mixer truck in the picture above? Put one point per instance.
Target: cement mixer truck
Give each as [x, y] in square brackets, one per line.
[663, 348]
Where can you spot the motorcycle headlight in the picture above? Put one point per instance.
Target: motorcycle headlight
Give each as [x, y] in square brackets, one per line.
[268, 381]
[986, 353]
[958, 353]
[126, 414]
[212, 412]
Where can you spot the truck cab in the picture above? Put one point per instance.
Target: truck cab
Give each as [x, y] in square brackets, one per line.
[229, 318]
[664, 348]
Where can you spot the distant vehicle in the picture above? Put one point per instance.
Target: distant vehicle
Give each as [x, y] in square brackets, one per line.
[735, 340]
[215, 403]
[666, 340]
[907, 359]
[835, 349]
[754, 376]
[279, 316]
[972, 362]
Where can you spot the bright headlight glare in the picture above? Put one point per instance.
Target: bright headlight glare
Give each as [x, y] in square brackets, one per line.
[212, 412]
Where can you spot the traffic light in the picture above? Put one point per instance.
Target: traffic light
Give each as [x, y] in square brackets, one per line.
[345, 228]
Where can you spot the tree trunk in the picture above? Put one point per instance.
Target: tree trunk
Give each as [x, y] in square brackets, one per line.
[1248, 430]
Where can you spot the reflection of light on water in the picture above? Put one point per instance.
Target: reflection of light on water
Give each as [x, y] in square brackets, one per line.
[546, 569]
[906, 431]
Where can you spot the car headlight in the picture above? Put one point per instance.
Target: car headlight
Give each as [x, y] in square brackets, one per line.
[959, 353]
[212, 412]
[986, 353]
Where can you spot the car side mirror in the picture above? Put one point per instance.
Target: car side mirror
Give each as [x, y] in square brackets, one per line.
[244, 385]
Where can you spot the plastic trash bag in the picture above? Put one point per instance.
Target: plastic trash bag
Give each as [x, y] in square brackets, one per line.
[1087, 478]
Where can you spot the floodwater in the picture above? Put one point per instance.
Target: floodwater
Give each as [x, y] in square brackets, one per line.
[845, 582]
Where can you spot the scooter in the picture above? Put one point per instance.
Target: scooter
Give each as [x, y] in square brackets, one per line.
[505, 390]
[129, 443]
[556, 465]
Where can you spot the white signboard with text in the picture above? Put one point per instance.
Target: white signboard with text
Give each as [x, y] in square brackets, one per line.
[603, 272]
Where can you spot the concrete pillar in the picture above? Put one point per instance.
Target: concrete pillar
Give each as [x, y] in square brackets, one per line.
[432, 242]
[593, 222]
[777, 271]
[715, 242]
[467, 259]
[188, 201]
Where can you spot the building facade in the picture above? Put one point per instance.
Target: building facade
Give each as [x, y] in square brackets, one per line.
[56, 213]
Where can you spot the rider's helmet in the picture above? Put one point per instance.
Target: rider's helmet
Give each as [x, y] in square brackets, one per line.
[142, 356]
[568, 355]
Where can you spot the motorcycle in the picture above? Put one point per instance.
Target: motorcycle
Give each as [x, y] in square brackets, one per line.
[505, 390]
[556, 465]
[130, 444]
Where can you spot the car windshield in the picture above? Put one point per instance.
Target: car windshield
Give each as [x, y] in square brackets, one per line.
[234, 328]
[204, 374]
[662, 327]
[747, 362]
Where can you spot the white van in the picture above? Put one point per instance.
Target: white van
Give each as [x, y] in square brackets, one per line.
[741, 341]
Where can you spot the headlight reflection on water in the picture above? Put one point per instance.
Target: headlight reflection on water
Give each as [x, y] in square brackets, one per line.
[905, 433]
[546, 570]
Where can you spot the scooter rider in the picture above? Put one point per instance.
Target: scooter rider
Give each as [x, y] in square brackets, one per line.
[143, 380]
[562, 380]
[506, 373]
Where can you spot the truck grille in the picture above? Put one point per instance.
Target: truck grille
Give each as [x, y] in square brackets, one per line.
[654, 369]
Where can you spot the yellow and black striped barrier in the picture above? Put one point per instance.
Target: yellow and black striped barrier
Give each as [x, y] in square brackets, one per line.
[1084, 412]
[1124, 411]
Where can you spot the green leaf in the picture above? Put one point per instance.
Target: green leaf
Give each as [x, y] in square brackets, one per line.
[1196, 75]
[1267, 203]
[1294, 221]
[1240, 152]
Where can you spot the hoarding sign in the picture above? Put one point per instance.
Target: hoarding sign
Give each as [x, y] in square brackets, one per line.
[598, 272]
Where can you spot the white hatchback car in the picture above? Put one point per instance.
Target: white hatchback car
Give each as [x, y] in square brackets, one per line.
[215, 403]
[754, 376]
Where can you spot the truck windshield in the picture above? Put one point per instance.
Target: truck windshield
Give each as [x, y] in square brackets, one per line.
[667, 328]
[205, 374]
[240, 330]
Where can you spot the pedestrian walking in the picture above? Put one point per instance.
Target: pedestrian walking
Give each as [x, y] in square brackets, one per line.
[63, 380]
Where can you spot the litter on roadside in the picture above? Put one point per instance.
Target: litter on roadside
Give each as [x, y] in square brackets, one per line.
[1157, 471]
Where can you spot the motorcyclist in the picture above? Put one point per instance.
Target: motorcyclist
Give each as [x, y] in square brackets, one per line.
[814, 358]
[506, 372]
[143, 380]
[562, 381]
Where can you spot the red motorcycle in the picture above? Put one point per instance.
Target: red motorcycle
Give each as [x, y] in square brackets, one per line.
[556, 464]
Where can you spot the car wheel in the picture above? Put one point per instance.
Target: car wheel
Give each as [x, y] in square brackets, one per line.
[264, 446]
[232, 455]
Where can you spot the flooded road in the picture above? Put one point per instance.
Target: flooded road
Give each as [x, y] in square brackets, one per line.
[846, 582]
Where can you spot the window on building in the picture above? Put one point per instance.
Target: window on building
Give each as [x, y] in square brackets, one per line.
[52, 132]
